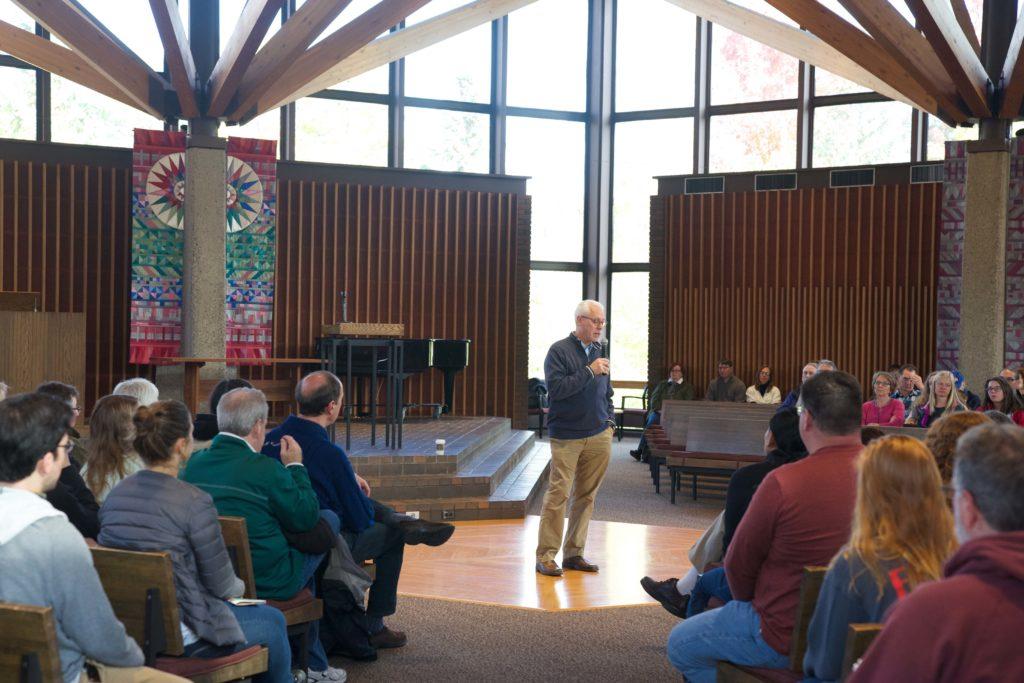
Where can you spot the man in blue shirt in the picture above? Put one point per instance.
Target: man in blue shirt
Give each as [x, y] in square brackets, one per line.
[372, 530]
[580, 418]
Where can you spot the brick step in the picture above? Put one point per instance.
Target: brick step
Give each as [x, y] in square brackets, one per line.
[458, 451]
[496, 463]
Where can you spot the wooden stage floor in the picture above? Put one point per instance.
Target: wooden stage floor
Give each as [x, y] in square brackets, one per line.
[492, 562]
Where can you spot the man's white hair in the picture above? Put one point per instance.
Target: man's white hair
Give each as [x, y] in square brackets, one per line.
[587, 306]
[140, 388]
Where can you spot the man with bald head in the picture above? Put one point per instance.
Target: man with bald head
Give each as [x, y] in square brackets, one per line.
[372, 530]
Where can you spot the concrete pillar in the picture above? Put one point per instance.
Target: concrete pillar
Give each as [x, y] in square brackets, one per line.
[983, 293]
[203, 276]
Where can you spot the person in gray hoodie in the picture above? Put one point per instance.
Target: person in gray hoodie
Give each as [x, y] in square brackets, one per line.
[153, 510]
[44, 561]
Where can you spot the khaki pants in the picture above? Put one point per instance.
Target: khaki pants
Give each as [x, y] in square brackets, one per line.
[708, 548]
[131, 674]
[577, 466]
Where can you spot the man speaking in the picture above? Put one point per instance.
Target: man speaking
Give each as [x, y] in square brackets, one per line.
[581, 421]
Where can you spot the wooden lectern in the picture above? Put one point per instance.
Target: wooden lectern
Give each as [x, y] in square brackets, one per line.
[36, 346]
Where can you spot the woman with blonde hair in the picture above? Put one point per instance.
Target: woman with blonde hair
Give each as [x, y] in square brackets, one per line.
[902, 533]
[941, 398]
[109, 454]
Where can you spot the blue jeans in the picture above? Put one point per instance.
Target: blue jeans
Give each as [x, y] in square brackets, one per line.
[653, 418]
[730, 633]
[264, 625]
[317, 656]
[711, 584]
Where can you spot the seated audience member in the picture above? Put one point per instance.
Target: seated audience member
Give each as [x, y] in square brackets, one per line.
[1007, 374]
[1001, 397]
[675, 388]
[205, 426]
[793, 521]
[155, 511]
[1018, 383]
[941, 398]
[727, 386]
[882, 409]
[998, 417]
[793, 396]
[371, 530]
[71, 495]
[764, 391]
[274, 497]
[109, 453]
[825, 365]
[689, 595]
[966, 627]
[909, 386]
[902, 534]
[967, 397]
[45, 560]
[869, 434]
[942, 436]
[139, 387]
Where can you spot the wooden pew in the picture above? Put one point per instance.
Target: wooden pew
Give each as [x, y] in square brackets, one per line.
[810, 587]
[299, 612]
[140, 587]
[671, 436]
[858, 639]
[716, 448]
[28, 648]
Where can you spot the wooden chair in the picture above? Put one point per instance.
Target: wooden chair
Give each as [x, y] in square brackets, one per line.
[633, 419]
[28, 648]
[810, 587]
[299, 613]
[858, 639]
[140, 587]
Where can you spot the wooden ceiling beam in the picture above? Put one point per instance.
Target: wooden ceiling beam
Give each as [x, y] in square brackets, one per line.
[57, 60]
[402, 43]
[947, 38]
[236, 56]
[963, 17]
[795, 43]
[1013, 74]
[139, 83]
[281, 51]
[862, 49]
[908, 47]
[335, 48]
[178, 54]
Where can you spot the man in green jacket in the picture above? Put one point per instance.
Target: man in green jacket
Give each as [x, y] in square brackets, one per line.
[273, 497]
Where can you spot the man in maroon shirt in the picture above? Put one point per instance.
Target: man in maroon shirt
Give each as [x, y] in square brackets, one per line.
[799, 516]
[967, 626]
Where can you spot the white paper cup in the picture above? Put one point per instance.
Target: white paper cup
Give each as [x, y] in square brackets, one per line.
[439, 446]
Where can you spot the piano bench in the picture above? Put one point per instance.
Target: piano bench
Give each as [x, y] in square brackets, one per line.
[435, 409]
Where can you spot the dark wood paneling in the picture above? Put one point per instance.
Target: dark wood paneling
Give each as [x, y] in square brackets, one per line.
[449, 263]
[781, 278]
[65, 233]
[446, 263]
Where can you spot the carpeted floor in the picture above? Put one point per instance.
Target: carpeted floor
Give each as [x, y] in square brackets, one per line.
[461, 641]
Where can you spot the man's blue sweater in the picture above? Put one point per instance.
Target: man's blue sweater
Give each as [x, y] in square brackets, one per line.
[580, 404]
[330, 472]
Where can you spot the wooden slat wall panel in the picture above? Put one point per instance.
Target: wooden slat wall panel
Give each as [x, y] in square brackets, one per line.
[447, 263]
[444, 262]
[780, 278]
[65, 232]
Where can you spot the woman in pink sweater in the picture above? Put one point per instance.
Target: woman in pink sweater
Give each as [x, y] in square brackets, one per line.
[882, 410]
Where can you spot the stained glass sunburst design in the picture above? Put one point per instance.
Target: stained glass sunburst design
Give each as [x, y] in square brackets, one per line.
[244, 195]
[165, 190]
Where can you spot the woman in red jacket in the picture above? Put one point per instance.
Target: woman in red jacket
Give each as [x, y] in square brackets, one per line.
[883, 409]
[1000, 396]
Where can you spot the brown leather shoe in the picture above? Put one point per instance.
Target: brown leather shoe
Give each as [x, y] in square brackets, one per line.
[388, 638]
[579, 564]
[548, 568]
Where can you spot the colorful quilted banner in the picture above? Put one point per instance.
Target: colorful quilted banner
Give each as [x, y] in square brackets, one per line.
[158, 218]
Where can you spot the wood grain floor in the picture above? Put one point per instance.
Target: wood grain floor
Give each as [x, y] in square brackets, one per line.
[492, 562]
